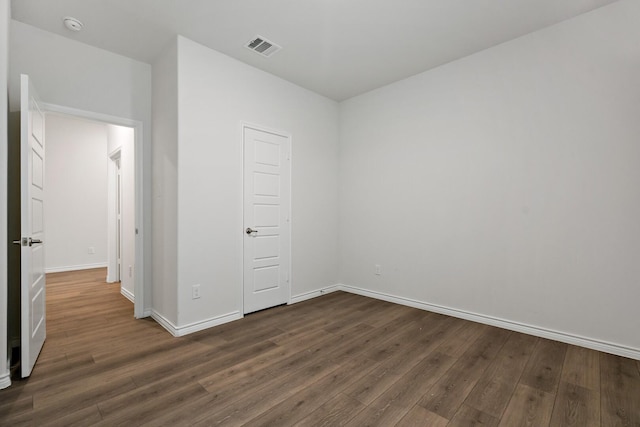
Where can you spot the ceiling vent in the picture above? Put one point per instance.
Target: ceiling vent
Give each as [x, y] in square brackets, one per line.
[262, 46]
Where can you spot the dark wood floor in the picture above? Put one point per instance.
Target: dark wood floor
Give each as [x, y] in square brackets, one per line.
[340, 359]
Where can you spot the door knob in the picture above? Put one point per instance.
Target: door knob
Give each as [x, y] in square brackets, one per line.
[27, 241]
[250, 231]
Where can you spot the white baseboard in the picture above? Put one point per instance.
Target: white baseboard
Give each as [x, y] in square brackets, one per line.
[312, 294]
[127, 294]
[593, 344]
[5, 380]
[568, 338]
[75, 267]
[164, 322]
[179, 331]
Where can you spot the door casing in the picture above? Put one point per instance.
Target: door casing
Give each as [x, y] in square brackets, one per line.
[114, 239]
[142, 291]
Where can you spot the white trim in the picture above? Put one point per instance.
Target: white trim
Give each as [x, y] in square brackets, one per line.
[241, 160]
[127, 294]
[164, 322]
[179, 331]
[113, 241]
[75, 267]
[266, 129]
[105, 118]
[5, 19]
[313, 294]
[5, 380]
[141, 289]
[140, 309]
[581, 341]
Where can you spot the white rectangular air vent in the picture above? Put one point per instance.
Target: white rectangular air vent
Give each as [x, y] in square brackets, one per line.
[262, 46]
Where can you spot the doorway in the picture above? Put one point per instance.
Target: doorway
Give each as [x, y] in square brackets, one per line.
[131, 158]
[90, 198]
[267, 218]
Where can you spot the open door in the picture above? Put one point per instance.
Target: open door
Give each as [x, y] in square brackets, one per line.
[32, 277]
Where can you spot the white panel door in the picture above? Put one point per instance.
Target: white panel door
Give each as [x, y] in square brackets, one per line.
[32, 277]
[267, 229]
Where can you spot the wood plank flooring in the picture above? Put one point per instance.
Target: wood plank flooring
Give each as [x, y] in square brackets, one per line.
[340, 359]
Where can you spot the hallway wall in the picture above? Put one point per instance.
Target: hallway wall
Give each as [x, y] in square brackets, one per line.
[75, 194]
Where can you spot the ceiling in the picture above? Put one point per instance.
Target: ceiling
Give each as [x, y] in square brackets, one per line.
[338, 48]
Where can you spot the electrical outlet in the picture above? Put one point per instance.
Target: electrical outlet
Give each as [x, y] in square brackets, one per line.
[130, 271]
[91, 250]
[195, 292]
[378, 270]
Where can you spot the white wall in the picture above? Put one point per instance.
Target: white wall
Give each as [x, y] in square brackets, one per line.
[75, 75]
[216, 93]
[122, 138]
[76, 193]
[5, 16]
[165, 184]
[506, 183]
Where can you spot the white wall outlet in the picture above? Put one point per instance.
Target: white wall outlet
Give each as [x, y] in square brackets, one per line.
[195, 292]
[130, 271]
[378, 270]
[91, 250]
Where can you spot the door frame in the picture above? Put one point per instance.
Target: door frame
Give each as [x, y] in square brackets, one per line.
[139, 285]
[248, 125]
[114, 200]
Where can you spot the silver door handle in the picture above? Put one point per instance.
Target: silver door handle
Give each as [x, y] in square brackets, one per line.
[27, 241]
[250, 231]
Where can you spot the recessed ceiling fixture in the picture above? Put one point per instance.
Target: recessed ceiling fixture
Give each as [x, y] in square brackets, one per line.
[262, 46]
[72, 23]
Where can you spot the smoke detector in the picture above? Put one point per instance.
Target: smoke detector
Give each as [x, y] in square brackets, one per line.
[72, 23]
[262, 46]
